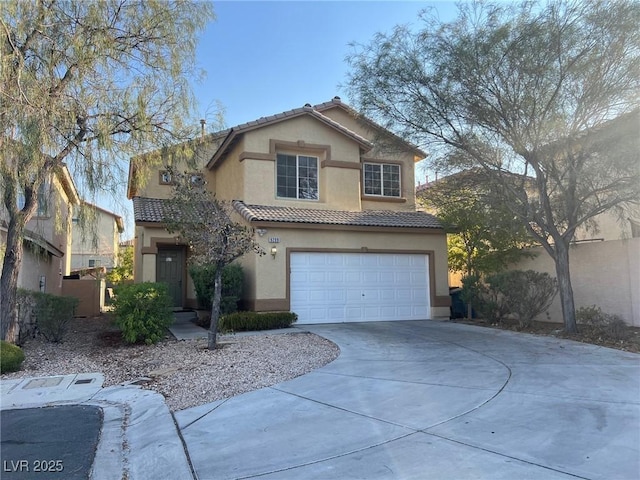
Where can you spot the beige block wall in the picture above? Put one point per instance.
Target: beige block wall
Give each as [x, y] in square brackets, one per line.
[273, 273]
[605, 274]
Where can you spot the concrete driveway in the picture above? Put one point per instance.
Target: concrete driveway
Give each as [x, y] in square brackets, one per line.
[431, 400]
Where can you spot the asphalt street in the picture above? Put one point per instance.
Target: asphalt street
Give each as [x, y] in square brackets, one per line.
[56, 442]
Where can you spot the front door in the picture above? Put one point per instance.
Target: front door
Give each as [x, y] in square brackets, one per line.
[170, 269]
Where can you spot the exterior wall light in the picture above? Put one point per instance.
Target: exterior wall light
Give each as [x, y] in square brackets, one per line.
[274, 250]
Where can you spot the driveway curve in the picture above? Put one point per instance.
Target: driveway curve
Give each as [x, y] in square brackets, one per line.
[431, 400]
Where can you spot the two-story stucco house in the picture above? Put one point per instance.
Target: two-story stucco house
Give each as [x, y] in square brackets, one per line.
[334, 211]
[97, 244]
[47, 249]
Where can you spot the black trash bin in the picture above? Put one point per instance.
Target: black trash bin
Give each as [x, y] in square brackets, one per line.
[458, 308]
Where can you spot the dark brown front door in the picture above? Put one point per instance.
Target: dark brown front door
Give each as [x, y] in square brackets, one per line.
[170, 269]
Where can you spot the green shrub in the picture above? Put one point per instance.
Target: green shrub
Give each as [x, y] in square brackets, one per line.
[605, 324]
[251, 321]
[143, 311]
[11, 357]
[53, 314]
[232, 282]
[525, 294]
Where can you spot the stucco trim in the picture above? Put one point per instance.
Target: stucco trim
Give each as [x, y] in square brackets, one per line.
[434, 300]
[276, 145]
[160, 241]
[269, 157]
[340, 164]
[442, 301]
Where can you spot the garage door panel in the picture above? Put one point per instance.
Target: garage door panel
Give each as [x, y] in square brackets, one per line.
[353, 296]
[350, 287]
[352, 277]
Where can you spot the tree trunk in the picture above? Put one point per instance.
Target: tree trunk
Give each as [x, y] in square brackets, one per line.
[9, 327]
[215, 308]
[564, 286]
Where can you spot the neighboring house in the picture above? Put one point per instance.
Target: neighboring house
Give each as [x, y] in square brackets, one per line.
[605, 261]
[334, 211]
[47, 244]
[96, 239]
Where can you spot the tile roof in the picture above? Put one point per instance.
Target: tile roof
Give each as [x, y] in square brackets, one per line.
[151, 210]
[148, 209]
[368, 218]
[234, 132]
[337, 102]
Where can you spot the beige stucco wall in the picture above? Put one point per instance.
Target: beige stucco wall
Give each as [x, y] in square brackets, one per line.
[38, 265]
[605, 274]
[609, 227]
[228, 175]
[253, 180]
[339, 188]
[272, 272]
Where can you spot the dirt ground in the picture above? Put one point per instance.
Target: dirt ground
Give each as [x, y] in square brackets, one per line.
[586, 334]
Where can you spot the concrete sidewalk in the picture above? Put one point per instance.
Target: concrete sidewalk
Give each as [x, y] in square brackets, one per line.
[417, 400]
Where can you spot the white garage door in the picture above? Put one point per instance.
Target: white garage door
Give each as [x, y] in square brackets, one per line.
[359, 287]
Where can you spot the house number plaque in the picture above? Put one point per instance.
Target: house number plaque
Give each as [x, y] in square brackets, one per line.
[274, 239]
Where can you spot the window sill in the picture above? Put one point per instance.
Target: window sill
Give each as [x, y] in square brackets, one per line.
[368, 198]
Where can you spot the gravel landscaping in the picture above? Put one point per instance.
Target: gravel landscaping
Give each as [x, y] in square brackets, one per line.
[185, 372]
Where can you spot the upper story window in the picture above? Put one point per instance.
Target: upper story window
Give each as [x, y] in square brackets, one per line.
[165, 177]
[381, 179]
[297, 176]
[196, 179]
[43, 200]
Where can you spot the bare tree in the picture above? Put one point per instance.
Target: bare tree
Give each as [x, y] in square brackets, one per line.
[206, 225]
[532, 89]
[84, 83]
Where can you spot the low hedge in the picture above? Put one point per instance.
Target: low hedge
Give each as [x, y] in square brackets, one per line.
[250, 321]
[11, 357]
[53, 314]
[143, 312]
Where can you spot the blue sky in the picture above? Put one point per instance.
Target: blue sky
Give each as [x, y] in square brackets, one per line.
[263, 58]
[266, 57]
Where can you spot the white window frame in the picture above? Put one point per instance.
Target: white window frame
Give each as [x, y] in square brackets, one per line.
[383, 189]
[298, 178]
